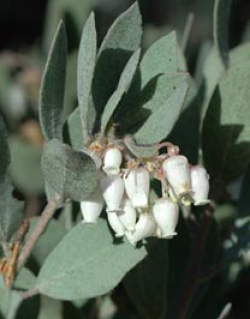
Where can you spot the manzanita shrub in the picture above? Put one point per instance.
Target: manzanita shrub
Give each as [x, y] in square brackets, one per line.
[147, 158]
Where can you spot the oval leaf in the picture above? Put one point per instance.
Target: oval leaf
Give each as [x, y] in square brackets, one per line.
[52, 87]
[90, 263]
[161, 122]
[68, 172]
[226, 130]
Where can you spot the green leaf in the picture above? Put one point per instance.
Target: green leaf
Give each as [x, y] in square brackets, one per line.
[221, 29]
[25, 280]
[68, 172]
[160, 58]
[86, 68]
[161, 122]
[90, 263]
[52, 87]
[4, 154]
[10, 212]
[122, 39]
[226, 130]
[9, 301]
[75, 130]
[146, 284]
[25, 168]
[123, 86]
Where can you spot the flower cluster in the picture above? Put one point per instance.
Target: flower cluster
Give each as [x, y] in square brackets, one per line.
[124, 189]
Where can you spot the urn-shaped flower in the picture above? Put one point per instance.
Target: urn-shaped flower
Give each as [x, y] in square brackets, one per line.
[176, 169]
[92, 207]
[113, 190]
[112, 161]
[200, 185]
[166, 214]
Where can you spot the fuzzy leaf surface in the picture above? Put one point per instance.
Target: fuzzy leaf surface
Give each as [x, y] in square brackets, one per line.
[87, 255]
[68, 172]
[52, 87]
[123, 38]
[161, 122]
[86, 67]
[226, 130]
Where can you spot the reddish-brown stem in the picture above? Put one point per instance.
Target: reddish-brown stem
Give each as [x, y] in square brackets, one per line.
[42, 223]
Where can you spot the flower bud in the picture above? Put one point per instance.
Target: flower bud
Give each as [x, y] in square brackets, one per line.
[128, 215]
[112, 161]
[200, 185]
[116, 224]
[137, 185]
[145, 227]
[92, 207]
[112, 190]
[166, 214]
[176, 169]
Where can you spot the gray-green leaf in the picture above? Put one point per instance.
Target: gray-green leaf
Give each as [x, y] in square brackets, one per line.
[85, 69]
[122, 39]
[52, 87]
[9, 301]
[160, 58]
[90, 263]
[161, 122]
[10, 212]
[123, 85]
[221, 29]
[68, 172]
[226, 130]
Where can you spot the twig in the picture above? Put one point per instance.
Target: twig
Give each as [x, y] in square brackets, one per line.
[29, 293]
[46, 216]
[192, 281]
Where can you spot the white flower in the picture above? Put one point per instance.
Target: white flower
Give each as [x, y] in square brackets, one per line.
[116, 224]
[128, 215]
[112, 161]
[145, 227]
[200, 185]
[137, 185]
[92, 207]
[166, 214]
[112, 191]
[176, 169]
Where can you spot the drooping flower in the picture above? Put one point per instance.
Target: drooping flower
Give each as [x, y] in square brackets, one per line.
[127, 215]
[145, 227]
[112, 190]
[166, 214]
[92, 207]
[200, 185]
[137, 184]
[176, 169]
[112, 161]
[116, 224]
